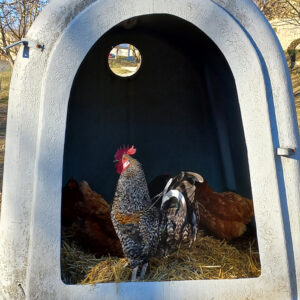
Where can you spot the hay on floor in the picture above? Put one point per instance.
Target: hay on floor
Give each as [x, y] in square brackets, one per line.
[208, 258]
[75, 263]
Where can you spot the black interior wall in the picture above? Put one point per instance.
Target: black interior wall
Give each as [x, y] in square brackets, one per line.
[180, 110]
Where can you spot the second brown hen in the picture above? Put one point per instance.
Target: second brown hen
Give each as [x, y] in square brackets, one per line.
[224, 214]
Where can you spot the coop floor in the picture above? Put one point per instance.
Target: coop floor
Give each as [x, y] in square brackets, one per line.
[208, 258]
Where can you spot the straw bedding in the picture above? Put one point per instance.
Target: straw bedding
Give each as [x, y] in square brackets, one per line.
[208, 258]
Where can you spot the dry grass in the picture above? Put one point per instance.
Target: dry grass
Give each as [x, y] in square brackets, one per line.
[118, 66]
[4, 85]
[75, 263]
[295, 75]
[4, 88]
[208, 258]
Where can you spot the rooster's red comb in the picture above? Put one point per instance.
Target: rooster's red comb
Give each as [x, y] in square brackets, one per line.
[124, 150]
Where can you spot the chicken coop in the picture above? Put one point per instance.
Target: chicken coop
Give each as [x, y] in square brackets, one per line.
[212, 95]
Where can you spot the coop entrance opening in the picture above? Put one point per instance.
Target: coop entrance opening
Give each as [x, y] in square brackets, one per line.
[181, 111]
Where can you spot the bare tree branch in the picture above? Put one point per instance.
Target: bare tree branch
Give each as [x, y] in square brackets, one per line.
[16, 17]
[283, 12]
[287, 11]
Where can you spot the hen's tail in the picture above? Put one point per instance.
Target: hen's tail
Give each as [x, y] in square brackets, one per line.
[179, 212]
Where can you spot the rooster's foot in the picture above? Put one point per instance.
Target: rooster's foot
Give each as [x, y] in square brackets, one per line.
[143, 271]
[134, 272]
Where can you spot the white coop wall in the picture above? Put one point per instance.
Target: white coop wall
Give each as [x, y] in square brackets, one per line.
[40, 90]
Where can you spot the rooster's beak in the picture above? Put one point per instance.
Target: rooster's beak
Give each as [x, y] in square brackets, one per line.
[116, 160]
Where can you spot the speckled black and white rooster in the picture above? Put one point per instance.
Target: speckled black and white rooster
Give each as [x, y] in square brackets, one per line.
[144, 228]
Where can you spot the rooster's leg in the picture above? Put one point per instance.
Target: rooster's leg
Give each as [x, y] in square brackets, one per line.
[134, 272]
[195, 226]
[143, 271]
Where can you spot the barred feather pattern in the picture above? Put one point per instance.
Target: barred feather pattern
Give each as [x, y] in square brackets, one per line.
[179, 226]
[146, 230]
[139, 234]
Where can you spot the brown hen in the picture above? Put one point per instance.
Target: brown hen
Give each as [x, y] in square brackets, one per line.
[71, 196]
[224, 214]
[89, 215]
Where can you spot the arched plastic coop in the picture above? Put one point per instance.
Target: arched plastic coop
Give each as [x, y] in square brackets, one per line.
[212, 95]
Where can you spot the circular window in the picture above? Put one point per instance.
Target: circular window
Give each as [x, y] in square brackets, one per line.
[124, 60]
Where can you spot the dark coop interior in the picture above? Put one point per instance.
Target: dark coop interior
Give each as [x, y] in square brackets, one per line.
[180, 110]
